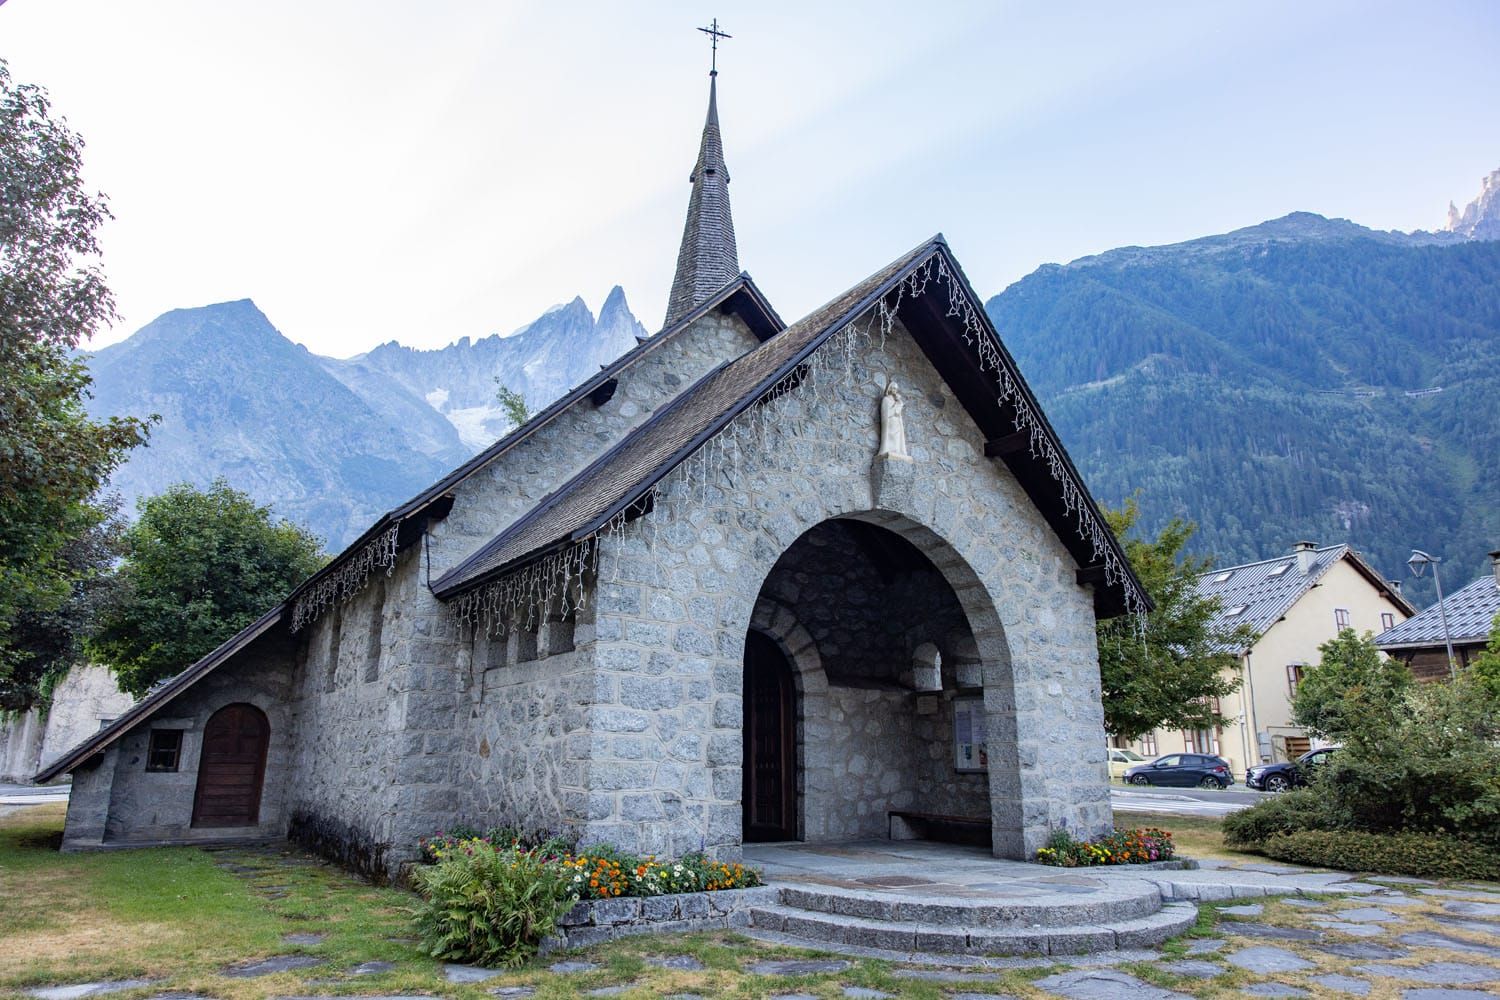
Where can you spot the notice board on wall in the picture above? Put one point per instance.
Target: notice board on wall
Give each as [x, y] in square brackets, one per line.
[970, 747]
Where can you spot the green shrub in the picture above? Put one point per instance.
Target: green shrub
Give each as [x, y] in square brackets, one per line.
[489, 905]
[1290, 812]
[1424, 855]
[1426, 762]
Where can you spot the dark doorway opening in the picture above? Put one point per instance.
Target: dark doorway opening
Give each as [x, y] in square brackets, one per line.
[770, 771]
[232, 767]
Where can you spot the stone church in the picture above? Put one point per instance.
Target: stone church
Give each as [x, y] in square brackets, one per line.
[831, 580]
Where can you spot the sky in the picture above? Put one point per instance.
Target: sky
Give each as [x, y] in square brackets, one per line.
[380, 170]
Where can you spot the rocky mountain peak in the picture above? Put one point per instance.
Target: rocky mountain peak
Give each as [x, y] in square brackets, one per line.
[1480, 220]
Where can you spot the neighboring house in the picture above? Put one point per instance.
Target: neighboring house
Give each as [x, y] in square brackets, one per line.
[1294, 603]
[748, 582]
[1419, 642]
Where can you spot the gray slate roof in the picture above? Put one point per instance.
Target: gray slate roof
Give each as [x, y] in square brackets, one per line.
[708, 256]
[1471, 612]
[623, 476]
[1258, 594]
[588, 501]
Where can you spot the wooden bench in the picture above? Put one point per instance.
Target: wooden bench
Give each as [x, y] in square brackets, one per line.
[907, 824]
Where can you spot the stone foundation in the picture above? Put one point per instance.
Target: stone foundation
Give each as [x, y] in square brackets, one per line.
[593, 921]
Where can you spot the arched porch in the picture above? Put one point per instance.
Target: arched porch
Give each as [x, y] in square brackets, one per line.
[892, 647]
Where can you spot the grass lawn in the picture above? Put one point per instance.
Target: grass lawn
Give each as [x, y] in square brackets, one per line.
[181, 916]
[1195, 836]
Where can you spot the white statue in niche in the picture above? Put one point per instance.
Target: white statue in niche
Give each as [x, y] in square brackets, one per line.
[892, 424]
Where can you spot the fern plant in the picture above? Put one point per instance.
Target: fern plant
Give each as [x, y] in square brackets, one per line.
[487, 905]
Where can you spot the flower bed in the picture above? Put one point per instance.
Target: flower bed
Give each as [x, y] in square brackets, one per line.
[1122, 847]
[494, 898]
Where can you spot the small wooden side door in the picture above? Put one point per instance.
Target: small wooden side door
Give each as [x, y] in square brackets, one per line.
[770, 781]
[232, 767]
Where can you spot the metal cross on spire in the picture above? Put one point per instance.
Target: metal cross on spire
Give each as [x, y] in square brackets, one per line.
[713, 32]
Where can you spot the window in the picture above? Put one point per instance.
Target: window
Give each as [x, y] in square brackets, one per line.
[560, 635]
[1204, 741]
[1293, 678]
[1224, 577]
[526, 645]
[1148, 745]
[375, 640]
[1236, 611]
[1341, 617]
[1279, 570]
[164, 750]
[1387, 620]
[335, 626]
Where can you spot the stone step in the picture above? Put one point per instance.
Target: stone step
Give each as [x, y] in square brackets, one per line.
[822, 928]
[1128, 901]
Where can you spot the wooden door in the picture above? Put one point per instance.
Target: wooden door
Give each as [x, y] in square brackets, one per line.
[232, 767]
[770, 782]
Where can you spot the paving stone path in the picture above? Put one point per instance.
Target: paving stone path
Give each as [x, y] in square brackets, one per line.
[1438, 946]
[1398, 938]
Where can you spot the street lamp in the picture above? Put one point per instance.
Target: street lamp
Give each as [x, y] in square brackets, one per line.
[1418, 562]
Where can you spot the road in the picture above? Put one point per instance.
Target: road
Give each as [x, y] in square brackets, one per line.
[1176, 801]
[1183, 801]
[13, 797]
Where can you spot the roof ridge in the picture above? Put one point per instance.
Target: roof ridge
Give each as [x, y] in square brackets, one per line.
[1261, 562]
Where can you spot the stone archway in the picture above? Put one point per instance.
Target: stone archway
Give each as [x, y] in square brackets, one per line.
[890, 633]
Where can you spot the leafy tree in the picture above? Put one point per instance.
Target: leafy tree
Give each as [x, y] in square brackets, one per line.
[1354, 690]
[1486, 666]
[1168, 669]
[45, 642]
[199, 566]
[53, 458]
[512, 402]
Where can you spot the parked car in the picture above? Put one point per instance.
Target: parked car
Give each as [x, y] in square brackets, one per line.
[1183, 770]
[1121, 760]
[1288, 774]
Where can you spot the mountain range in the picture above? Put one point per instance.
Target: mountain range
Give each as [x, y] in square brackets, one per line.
[1306, 378]
[1303, 378]
[331, 444]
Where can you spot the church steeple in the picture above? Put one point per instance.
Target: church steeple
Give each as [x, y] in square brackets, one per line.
[708, 259]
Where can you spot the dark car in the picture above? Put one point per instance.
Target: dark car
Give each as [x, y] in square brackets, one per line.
[1183, 770]
[1289, 774]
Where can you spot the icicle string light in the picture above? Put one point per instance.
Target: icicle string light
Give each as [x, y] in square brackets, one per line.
[346, 581]
[519, 600]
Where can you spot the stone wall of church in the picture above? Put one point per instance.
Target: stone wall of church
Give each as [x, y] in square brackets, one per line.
[377, 723]
[526, 748]
[515, 482]
[671, 628]
[404, 725]
[881, 753]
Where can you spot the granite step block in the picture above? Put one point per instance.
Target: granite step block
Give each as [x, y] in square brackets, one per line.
[1104, 907]
[908, 935]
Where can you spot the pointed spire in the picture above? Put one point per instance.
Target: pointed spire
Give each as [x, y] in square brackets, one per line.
[708, 259]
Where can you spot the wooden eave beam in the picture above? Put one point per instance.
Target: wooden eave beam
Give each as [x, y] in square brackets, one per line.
[604, 391]
[1091, 574]
[1010, 444]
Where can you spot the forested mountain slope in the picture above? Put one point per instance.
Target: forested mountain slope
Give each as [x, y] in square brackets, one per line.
[1305, 378]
